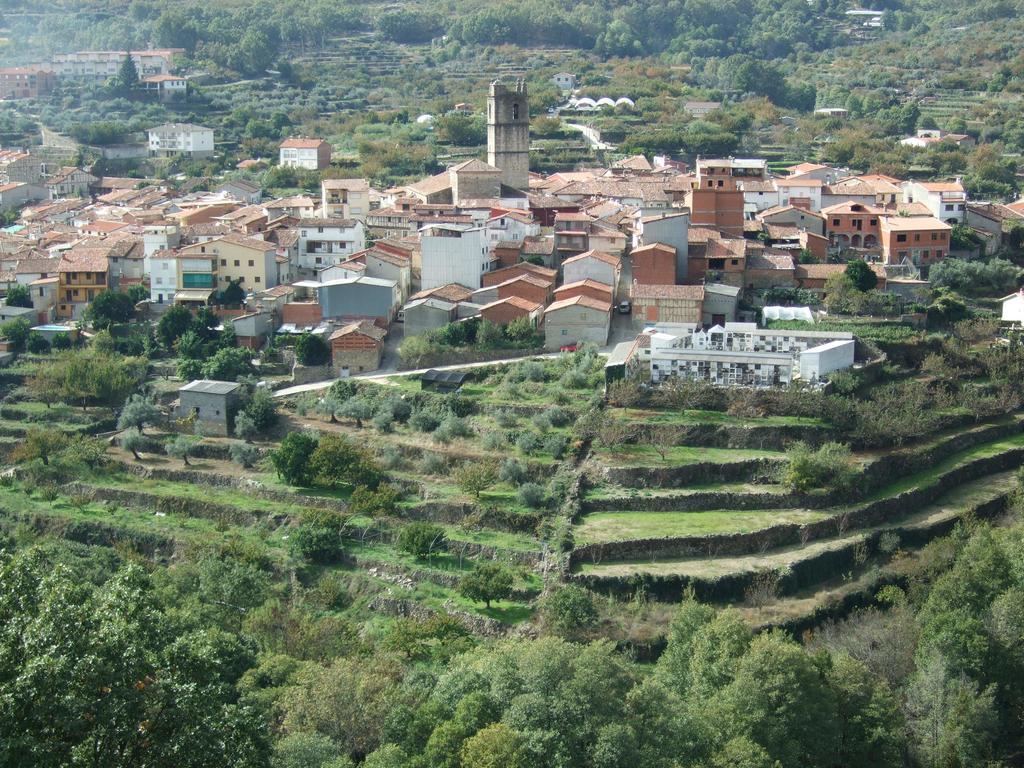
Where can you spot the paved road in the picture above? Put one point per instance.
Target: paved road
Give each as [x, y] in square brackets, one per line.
[591, 135]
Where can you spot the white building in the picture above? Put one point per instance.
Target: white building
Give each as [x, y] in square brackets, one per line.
[1013, 308]
[741, 354]
[453, 254]
[101, 65]
[166, 86]
[947, 200]
[323, 242]
[564, 81]
[311, 154]
[511, 226]
[163, 277]
[180, 139]
[345, 198]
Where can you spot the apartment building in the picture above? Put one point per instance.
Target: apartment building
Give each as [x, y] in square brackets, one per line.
[345, 198]
[310, 154]
[100, 65]
[247, 260]
[25, 82]
[180, 139]
[327, 241]
[453, 254]
[82, 274]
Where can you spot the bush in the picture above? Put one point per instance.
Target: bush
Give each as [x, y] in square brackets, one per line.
[528, 442]
[493, 441]
[16, 333]
[312, 350]
[512, 471]
[61, 341]
[424, 420]
[559, 417]
[337, 462]
[384, 422]
[370, 502]
[475, 477]
[541, 421]
[433, 464]
[555, 445]
[506, 418]
[244, 454]
[421, 539]
[532, 495]
[828, 466]
[318, 537]
[37, 343]
[456, 426]
[261, 409]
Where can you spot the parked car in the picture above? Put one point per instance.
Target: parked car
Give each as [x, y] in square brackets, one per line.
[625, 307]
[568, 348]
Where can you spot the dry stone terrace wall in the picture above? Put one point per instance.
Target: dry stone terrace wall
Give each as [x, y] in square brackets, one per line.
[691, 474]
[753, 437]
[773, 537]
[801, 574]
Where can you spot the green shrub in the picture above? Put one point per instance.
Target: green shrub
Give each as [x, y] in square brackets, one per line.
[37, 343]
[569, 610]
[826, 467]
[292, 459]
[421, 539]
[532, 495]
[312, 350]
[486, 582]
[318, 537]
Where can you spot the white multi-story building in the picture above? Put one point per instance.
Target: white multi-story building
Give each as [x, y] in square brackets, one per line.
[323, 242]
[741, 354]
[511, 226]
[311, 154]
[345, 198]
[103, 64]
[453, 254]
[180, 139]
[947, 200]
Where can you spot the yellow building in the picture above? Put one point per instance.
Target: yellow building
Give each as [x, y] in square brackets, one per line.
[82, 274]
[248, 260]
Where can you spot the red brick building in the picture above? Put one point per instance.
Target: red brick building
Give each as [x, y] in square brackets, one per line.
[25, 82]
[504, 311]
[654, 264]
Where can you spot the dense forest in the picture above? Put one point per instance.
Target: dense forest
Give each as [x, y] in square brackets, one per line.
[106, 659]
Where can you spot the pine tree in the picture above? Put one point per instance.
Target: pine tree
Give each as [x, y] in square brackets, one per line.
[128, 75]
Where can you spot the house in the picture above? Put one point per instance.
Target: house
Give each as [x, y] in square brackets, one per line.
[593, 265]
[511, 225]
[497, 276]
[504, 311]
[345, 198]
[83, 273]
[1013, 308]
[794, 216]
[101, 65]
[572, 234]
[16, 194]
[310, 154]
[252, 329]
[802, 191]
[180, 139]
[70, 182]
[212, 404]
[564, 81]
[25, 82]
[387, 265]
[927, 137]
[165, 87]
[577, 320]
[758, 195]
[297, 206]
[701, 108]
[922, 240]
[357, 347]
[324, 241]
[812, 277]
[667, 303]
[834, 112]
[247, 260]
[715, 199]
[654, 264]
[589, 288]
[242, 190]
[947, 200]
[454, 254]
[529, 287]
[422, 315]
[668, 229]
[179, 278]
[853, 225]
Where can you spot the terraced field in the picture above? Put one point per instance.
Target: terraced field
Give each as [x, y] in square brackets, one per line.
[726, 539]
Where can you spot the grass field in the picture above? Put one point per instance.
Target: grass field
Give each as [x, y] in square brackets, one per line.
[601, 527]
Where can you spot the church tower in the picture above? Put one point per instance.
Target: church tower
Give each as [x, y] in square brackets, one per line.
[508, 133]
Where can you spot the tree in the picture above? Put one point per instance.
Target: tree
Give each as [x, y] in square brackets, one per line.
[261, 409]
[312, 350]
[291, 460]
[137, 293]
[132, 440]
[569, 610]
[367, 502]
[108, 681]
[474, 477]
[40, 443]
[228, 364]
[356, 408]
[16, 333]
[109, 308]
[861, 275]
[496, 746]
[181, 446]
[421, 539]
[828, 467]
[245, 427]
[173, 324]
[244, 454]
[137, 412]
[338, 462]
[233, 295]
[309, 750]
[486, 582]
[18, 296]
[127, 75]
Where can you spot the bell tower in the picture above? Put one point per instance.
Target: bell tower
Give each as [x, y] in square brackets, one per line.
[508, 133]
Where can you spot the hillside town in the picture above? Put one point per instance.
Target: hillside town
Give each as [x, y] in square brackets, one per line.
[624, 256]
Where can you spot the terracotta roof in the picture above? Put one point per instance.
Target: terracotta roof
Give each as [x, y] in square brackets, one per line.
[538, 246]
[756, 185]
[295, 201]
[692, 292]
[451, 292]
[601, 256]
[586, 283]
[910, 223]
[539, 282]
[802, 168]
[84, 260]
[516, 301]
[432, 184]
[353, 185]
[236, 238]
[817, 271]
[770, 260]
[302, 143]
[474, 166]
[942, 186]
[799, 182]
[704, 234]
[777, 209]
[583, 301]
[653, 247]
[363, 328]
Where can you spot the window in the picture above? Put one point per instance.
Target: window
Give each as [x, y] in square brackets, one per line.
[223, 262]
[917, 237]
[202, 249]
[515, 111]
[835, 222]
[935, 235]
[236, 263]
[949, 207]
[565, 331]
[252, 263]
[735, 262]
[901, 238]
[257, 278]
